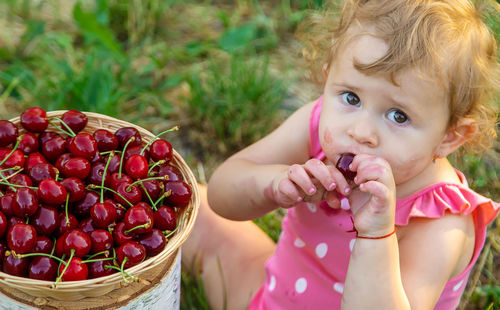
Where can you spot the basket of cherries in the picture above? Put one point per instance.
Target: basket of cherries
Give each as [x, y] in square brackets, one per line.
[88, 203]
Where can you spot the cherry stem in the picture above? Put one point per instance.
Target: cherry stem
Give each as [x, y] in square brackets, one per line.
[97, 260]
[180, 224]
[166, 194]
[156, 137]
[70, 132]
[12, 151]
[93, 186]
[66, 209]
[12, 168]
[39, 254]
[147, 225]
[125, 259]
[147, 179]
[17, 185]
[106, 253]
[67, 265]
[149, 196]
[123, 272]
[161, 161]
[109, 152]
[104, 175]
[123, 155]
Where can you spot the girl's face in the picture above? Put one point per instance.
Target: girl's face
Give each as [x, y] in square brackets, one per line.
[403, 124]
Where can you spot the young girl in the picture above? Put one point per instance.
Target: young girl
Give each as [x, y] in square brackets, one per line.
[406, 84]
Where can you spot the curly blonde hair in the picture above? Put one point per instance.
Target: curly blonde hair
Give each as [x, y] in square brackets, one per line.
[448, 39]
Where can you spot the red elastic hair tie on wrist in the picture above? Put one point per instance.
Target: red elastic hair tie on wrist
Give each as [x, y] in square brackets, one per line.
[379, 237]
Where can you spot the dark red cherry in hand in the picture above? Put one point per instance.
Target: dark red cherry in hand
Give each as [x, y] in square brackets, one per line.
[77, 270]
[132, 251]
[343, 165]
[21, 238]
[178, 193]
[8, 133]
[43, 268]
[83, 145]
[161, 149]
[34, 119]
[75, 120]
[78, 241]
[137, 167]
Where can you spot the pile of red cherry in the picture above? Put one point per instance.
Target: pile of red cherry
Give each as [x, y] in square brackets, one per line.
[76, 205]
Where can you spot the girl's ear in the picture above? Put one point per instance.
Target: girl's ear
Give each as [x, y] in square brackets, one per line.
[325, 70]
[457, 135]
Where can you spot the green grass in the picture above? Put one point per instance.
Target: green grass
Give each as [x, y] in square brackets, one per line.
[225, 71]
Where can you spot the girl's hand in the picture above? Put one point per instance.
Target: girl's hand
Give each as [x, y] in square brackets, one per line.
[373, 202]
[313, 182]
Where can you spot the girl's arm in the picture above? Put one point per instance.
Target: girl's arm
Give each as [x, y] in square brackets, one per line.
[241, 188]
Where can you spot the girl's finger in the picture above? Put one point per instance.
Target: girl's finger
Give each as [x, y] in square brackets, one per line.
[288, 192]
[320, 172]
[298, 175]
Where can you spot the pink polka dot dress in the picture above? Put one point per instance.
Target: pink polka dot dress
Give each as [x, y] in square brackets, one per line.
[309, 267]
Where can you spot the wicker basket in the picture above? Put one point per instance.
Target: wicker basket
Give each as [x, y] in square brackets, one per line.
[76, 290]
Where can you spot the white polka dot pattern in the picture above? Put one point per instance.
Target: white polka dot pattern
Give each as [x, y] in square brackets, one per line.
[338, 287]
[321, 249]
[272, 283]
[299, 243]
[301, 285]
[312, 207]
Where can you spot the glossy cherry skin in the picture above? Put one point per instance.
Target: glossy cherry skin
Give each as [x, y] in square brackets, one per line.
[82, 207]
[6, 203]
[161, 149]
[52, 192]
[75, 188]
[125, 133]
[131, 193]
[76, 271]
[101, 240]
[116, 179]
[77, 167]
[43, 245]
[62, 160]
[32, 160]
[106, 140]
[103, 214]
[21, 238]
[16, 266]
[78, 241]
[98, 268]
[3, 249]
[137, 167]
[45, 220]
[343, 166]
[135, 150]
[119, 235]
[87, 226]
[180, 193]
[42, 171]
[15, 158]
[153, 188]
[154, 242]
[46, 136]
[25, 202]
[13, 220]
[8, 133]
[43, 268]
[19, 179]
[133, 251]
[59, 248]
[66, 224]
[3, 224]
[172, 172]
[138, 216]
[83, 145]
[34, 119]
[54, 148]
[29, 143]
[119, 209]
[114, 163]
[75, 120]
[164, 218]
[96, 174]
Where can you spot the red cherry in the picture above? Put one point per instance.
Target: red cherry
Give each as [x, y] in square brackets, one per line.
[152, 187]
[6, 204]
[77, 270]
[21, 238]
[154, 242]
[117, 180]
[66, 224]
[75, 120]
[129, 192]
[78, 167]
[119, 209]
[19, 179]
[103, 214]
[179, 193]
[75, 188]
[343, 165]
[43, 268]
[3, 224]
[16, 266]
[138, 216]
[133, 251]
[161, 149]
[59, 248]
[106, 140]
[25, 202]
[8, 132]
[15, 158]
[54, 148]
[42, 171]
[32, 160]
[29, 143]
[83, 145]
[98, 268]
[46, 136]
[43, 245]
[172, 172]
[101, 240]
[78, 241]
[45, 220]
[137, 167]
[164, 218]
[114, 163]
[82, 207]
[86, 225]
[52, 192]
[135, 150]
[13, 220]
[34, 119]
[96, 173]
[125, 133]
[62, 160]
[119, 235]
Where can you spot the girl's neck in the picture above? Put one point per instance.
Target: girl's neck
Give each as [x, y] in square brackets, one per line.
[440, 171]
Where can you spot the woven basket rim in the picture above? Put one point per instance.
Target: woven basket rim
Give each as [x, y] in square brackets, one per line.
[189, 212]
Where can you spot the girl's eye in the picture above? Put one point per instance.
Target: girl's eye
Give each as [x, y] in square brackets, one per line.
[351, 98]
[397, 116]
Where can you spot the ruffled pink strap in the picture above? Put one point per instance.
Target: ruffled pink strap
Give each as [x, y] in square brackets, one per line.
[435, 200]
[315, 150]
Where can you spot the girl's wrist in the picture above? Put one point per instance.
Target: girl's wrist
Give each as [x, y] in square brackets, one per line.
[376, 236]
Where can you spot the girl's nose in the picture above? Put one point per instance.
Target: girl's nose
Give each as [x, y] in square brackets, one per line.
[364, 132]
